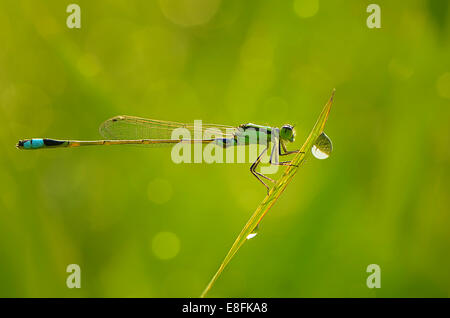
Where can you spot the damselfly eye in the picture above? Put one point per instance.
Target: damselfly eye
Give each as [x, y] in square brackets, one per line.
[287, 133]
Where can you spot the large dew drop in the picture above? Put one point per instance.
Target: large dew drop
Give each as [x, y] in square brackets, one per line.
[322, 147]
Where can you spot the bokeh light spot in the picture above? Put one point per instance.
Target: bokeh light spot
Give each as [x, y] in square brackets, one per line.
[159, 191]
[400, 70]
[88, 65]
[443, 85]
[306, 8]
[189, 12]
[165, 245]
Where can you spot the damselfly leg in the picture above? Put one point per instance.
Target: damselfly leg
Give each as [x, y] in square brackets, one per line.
[258, 174]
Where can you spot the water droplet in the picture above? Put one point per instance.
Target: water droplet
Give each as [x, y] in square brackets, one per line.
[254, 233]
[165, 245]
[159, 191]
[322, 147]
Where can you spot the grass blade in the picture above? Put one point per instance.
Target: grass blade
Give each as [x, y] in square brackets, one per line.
[274, 193]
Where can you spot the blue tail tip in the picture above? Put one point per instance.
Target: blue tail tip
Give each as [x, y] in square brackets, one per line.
[34, 143]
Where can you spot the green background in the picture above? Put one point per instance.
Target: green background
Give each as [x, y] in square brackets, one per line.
[141, 226]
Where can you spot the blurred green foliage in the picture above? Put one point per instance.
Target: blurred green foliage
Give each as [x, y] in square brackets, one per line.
[140, 225]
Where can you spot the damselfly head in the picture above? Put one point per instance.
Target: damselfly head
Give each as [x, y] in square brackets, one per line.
[287, 132]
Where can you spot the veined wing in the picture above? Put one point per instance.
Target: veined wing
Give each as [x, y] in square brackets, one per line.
[134, 128]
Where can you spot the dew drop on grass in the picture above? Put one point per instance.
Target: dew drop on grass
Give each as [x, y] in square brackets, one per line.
[254, 233]
[322, 147]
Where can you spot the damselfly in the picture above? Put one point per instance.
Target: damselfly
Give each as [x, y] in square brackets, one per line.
[129, 130]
